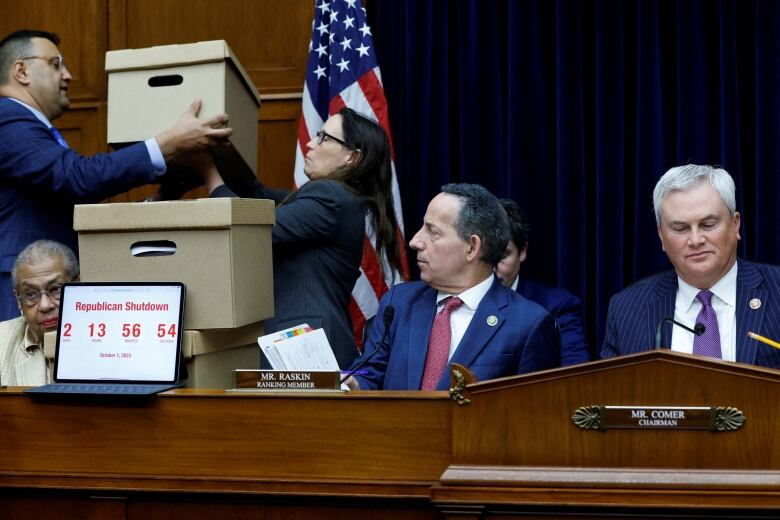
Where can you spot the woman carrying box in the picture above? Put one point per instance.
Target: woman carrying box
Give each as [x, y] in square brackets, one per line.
[320, 228]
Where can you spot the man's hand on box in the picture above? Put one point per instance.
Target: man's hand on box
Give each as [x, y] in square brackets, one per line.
[191, 134]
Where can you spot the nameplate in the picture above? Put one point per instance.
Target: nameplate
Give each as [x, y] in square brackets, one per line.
[712, 418]
[287, 379]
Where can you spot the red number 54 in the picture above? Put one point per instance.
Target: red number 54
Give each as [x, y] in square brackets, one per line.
[161, 330]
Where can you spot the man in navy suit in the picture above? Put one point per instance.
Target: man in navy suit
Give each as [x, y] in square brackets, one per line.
[492, 330]
[41, 178]
[699, 229]
[563, 305]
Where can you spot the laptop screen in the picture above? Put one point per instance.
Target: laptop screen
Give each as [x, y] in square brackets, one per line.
[119, 332]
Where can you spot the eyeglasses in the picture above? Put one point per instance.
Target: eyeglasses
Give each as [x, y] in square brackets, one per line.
[31, 297]
[322, 134]
[55, 61]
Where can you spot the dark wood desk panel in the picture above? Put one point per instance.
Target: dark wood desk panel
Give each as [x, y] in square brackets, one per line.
[512, 452]
[389, 447]
[517, 453]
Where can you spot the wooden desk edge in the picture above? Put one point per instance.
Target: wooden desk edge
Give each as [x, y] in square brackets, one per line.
[123, 483]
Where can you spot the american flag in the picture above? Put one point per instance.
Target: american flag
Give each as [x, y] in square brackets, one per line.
[342, 71]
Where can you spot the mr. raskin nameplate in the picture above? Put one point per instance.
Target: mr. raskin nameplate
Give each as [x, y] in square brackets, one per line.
[287, 379]
[711, 418]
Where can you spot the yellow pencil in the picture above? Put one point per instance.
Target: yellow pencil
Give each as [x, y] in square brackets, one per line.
[762, 339]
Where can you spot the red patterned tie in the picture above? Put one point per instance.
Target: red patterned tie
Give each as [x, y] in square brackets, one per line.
[439, 345]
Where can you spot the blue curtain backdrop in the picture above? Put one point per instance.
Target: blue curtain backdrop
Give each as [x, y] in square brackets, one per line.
[574, 109]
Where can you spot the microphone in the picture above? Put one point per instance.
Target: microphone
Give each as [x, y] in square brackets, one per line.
[387, 318]
[697, 329]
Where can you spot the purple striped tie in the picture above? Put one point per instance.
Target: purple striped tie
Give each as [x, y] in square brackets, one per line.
[708, 344]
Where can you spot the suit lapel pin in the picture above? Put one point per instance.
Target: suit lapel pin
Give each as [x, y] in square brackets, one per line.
[492, 321]
[755, 303]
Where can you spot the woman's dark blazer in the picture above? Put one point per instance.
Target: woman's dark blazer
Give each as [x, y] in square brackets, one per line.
[317, 249]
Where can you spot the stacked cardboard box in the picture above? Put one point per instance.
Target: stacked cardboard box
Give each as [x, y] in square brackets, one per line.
[149, 89]
[219, 248]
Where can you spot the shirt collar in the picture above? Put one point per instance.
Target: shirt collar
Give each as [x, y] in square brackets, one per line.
[471, 296]
[30, 343]
[36, 113]
[725, 289]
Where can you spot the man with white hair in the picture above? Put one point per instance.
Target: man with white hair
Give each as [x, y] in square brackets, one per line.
[695, 210]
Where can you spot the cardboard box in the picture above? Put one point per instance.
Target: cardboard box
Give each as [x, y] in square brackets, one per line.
[221, 251]
[211, 355]
[142, 102]
[201, 342]
[215, 369]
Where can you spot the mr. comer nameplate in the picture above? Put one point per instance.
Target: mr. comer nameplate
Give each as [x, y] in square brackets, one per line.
[720, 418]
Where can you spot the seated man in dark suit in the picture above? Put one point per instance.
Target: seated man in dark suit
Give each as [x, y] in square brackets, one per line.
[460, 312]
[695, 210]
[41, 178]
[563, 305]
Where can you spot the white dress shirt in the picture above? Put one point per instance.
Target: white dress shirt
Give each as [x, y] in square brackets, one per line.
[724, 301]
[461, 317]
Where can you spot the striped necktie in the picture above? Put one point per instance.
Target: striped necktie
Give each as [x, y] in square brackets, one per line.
[708, 344]
[58, 136]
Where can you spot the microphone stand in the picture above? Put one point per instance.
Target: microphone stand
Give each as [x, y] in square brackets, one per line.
[387, 318]
[697, 329]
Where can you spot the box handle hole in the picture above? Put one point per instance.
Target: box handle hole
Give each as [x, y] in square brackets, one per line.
[166, 81]
[153, 248]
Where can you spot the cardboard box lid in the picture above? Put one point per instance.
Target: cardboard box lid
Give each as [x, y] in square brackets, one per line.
[163, 56]
[220, 213]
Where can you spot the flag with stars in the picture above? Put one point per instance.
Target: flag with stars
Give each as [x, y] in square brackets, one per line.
[342, 70]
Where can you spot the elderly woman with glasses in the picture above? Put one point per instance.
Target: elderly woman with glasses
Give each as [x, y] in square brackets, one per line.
[320, 228]
[37, 277]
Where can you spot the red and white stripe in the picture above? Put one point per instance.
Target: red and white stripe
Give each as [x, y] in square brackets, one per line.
[367, 97]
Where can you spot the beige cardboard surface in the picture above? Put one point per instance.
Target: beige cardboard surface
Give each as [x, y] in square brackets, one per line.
[206, 70]
[162, 56]
[199, 342]
[173, 214]
[215, 369]
[236, 103]
[228, 271]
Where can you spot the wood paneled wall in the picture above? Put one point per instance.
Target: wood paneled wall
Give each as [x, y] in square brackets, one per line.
[269, 37]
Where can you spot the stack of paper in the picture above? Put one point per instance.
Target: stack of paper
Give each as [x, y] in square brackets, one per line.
[298, 348]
